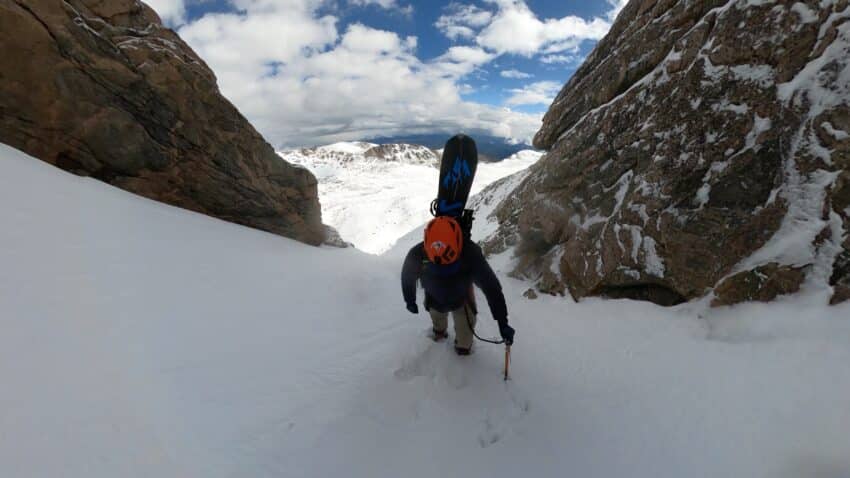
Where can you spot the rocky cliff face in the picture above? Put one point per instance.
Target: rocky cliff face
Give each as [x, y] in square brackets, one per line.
[702, 148]
[101, 88]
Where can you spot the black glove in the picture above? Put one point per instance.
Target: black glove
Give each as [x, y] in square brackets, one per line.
[412, 307]
[507, 332]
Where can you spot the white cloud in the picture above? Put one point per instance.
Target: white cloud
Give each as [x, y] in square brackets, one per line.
[459, 61]
[515, 74]
[388, 4]
[516, 29]
[361, 38]
[616, 7]
[571, 45]
[242, 44]
[462, 20]
[561, 59]
[172, 12]
[302, 82]
[381, 3]
[541, 92]
[468, 54]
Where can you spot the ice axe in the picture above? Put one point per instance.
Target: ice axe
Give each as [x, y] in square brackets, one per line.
[507, 361]
[468, 313]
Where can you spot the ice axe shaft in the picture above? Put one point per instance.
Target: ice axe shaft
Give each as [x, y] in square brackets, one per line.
[507, 361]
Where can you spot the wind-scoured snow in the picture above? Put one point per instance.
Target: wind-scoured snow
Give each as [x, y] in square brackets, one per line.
[139, 339]
[375, 194]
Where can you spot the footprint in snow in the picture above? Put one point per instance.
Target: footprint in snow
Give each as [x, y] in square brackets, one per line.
[437, 362]
[490, 435]
[498, 425]
[419, 365]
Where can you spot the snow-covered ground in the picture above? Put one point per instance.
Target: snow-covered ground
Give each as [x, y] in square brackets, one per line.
[372, 202]
[137, 339]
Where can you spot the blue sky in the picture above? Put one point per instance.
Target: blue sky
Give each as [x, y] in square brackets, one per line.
[310, 72]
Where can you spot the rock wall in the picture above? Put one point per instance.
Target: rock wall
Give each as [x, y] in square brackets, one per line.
[101, 88]
[702, 148]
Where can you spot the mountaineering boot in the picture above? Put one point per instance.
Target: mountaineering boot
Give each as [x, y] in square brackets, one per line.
[462, 351]
[438, 335]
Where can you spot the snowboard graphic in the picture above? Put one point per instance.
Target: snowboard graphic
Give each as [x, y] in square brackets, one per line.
[457, 170]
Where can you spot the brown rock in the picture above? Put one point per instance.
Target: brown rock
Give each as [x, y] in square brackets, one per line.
[101, 88]
[840, 280]
[841, 294]
[681, 145]
[762, 284]
[333, 238]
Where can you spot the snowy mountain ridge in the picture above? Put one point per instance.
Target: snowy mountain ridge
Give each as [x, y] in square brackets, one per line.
[349, 151]
[374, 194]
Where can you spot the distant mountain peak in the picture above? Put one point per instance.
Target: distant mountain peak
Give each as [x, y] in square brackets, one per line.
[361, 151]
[374, 194]
[490, 148]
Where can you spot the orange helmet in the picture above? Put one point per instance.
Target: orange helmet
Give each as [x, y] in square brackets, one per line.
[443, 240]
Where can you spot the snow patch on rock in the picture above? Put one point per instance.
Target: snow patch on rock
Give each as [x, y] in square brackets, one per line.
[823, 84]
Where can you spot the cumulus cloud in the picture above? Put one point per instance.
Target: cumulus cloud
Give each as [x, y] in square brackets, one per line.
[516, 29]
[360, 38]
[301, 81]
[387, 4]
[515, 74]
[462, 21]
[456, 62]
[468, 54]
[172, 12]
[381, 3]
[561, 59]
[513, 28]
[539, 93]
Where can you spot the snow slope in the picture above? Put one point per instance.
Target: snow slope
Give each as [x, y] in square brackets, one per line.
[374, 201]
[143, 340]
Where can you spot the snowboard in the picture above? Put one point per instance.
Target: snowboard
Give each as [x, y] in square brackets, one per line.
[457, 171]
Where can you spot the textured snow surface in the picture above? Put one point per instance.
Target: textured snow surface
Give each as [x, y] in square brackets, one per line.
[139, 339]
[374, 201]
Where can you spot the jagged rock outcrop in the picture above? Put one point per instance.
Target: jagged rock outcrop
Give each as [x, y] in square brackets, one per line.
[101, 88]
[701, 145]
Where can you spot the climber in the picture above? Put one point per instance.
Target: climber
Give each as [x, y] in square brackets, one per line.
[447, 263]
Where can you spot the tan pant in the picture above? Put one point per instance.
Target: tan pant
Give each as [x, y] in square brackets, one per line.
[463, 333]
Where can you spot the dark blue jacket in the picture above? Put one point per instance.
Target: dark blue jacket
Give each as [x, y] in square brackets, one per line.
[449, 287]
